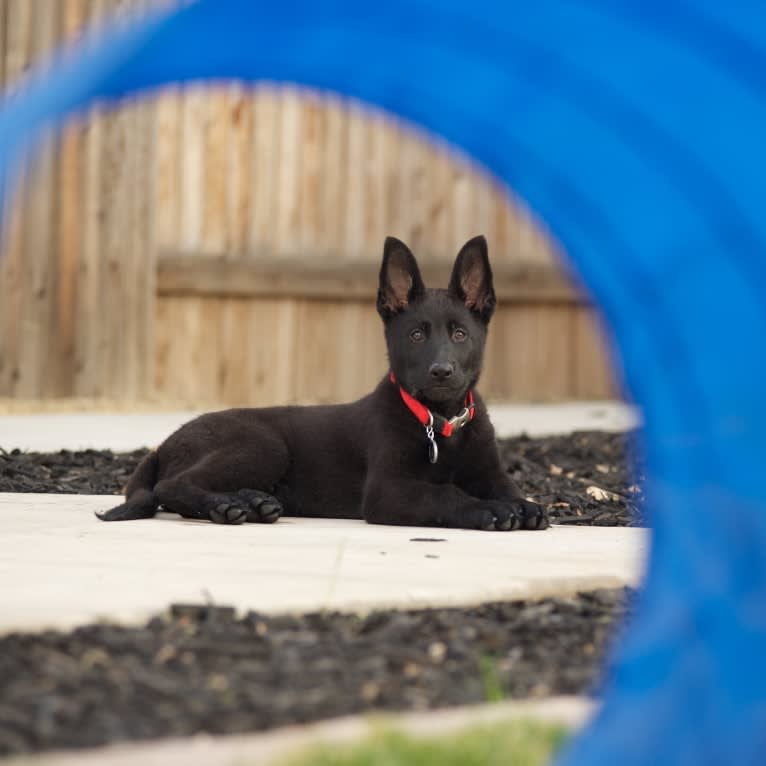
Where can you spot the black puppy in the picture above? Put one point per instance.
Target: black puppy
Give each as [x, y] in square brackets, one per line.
[419, 450]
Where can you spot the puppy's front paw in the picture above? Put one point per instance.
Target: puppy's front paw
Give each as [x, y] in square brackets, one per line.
[263, 508]
[533, 516]
[499, 516]
[226, 510]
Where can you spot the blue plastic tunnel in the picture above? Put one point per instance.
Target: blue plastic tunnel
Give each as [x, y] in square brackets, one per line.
[634, 128]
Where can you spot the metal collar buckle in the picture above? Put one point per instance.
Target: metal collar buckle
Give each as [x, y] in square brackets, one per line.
[461, 418]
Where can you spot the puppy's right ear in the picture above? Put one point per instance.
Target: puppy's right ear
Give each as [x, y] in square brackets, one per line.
[400, 280]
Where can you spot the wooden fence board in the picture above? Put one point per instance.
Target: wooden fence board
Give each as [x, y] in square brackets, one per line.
[39, 211]
[145, 250]
[271, 344]
[593, 375]
[530, 353]
[309, 226]
[267, 149]
[169, 169]
[289, 171]
[214, 181]
[192, 185]
[15, 56]
[354, 209]
[338, 279]
[3, 39]
[238, 163]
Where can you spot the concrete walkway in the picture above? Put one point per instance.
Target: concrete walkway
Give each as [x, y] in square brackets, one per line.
[60, 566]
[47, 432]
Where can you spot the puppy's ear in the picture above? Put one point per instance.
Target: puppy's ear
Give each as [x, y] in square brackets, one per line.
[471, 280]
[400, 280]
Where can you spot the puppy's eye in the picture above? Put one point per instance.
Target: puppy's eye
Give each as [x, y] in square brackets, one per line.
[459, 335]
[417, 336]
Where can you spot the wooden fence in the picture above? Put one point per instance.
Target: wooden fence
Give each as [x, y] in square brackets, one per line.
[219, 244]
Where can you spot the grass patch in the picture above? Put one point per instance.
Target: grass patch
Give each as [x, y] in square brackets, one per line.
[490, 679]
[516, 743]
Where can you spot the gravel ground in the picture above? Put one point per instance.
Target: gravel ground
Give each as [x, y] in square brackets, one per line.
[204, 669]
[582, 478]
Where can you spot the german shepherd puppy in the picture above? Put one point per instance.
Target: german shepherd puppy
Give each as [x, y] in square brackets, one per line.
[419, 450]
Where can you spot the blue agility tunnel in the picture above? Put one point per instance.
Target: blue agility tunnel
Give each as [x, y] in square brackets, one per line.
[634, 128]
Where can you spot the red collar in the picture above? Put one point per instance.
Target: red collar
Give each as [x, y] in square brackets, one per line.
[440, 424]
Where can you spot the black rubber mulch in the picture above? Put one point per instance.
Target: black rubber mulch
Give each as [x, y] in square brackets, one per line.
[582, 478]
[202, 669]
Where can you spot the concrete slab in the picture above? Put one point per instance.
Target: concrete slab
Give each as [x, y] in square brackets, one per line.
[60, 567]
[120, 431]
[562, 418]
[272, 747]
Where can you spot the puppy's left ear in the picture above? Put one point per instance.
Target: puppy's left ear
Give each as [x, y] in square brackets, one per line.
[471, 280]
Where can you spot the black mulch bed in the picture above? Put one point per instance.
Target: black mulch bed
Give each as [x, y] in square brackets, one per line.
[588, 477]
[203, 669]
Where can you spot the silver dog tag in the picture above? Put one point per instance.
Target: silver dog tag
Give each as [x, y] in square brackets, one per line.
[433, 451]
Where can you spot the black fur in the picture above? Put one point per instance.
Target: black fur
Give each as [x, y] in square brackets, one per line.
[368, 459]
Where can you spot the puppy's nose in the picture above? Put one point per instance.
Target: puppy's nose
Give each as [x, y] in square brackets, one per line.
[441, 371]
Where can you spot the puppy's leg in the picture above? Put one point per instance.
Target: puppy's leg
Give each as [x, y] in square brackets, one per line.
[411, 502]
[216, 489]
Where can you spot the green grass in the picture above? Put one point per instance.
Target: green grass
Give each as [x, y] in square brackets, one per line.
[490, 679]
[517, 743]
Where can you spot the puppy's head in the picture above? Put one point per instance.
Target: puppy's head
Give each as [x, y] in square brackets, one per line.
[436, 337]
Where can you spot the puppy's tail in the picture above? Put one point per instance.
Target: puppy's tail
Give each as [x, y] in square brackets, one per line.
[140, 502]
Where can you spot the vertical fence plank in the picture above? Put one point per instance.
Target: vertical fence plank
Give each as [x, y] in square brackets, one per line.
[592, 373]
[267, 149]
[439, 223]
[3, 39]
[90, 331]
[356, 199]
[311, 232]
[215, 171]
[69, 231]
[288, 189]
[530, 353]
[192, 186]
[39, 265]
[15, 58]
[238, 163]
[168, 169]
[376, 209]
[334, 162]
[144, 245]
[270, 336]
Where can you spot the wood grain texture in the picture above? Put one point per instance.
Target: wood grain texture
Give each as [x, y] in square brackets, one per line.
[3, 38]
[594, 371]
[190, 229]
[530, 353]
[337, 278]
